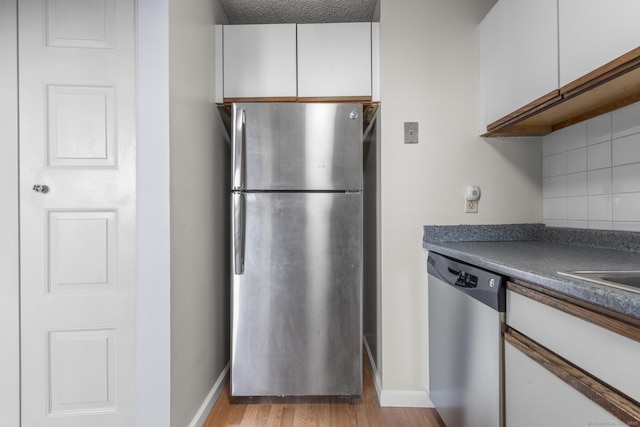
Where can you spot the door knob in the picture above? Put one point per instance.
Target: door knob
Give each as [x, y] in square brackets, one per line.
[40, 188]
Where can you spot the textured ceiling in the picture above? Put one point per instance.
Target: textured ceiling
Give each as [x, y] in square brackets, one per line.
[298, 11]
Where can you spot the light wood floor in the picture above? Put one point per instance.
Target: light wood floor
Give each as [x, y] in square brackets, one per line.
[318, 411]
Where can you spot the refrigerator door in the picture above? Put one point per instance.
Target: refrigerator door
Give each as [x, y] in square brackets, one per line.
[296, 308]
[296, 146]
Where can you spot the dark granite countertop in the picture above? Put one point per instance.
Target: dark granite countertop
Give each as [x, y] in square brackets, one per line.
[534, 253]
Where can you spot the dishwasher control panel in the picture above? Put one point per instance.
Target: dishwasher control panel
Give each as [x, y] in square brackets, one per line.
[467, 280]
[483, 285]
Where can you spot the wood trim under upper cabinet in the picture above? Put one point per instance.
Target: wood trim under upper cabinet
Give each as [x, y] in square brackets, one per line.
[522, 113]
[611, 320]
[612, 86]
[621, 406]
[616, 68]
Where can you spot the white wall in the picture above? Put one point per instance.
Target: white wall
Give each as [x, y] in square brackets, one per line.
[430, 71]
[153, 255]
[182, 302]
[199, 210]
[9, 266]
[591, 173]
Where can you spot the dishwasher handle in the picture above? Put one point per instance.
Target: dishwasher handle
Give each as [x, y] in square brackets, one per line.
[441, 268]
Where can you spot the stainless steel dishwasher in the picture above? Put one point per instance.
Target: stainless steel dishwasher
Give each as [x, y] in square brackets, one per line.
[466, 323]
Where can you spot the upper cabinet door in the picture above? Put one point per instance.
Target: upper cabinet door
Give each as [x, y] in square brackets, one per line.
[595, 32]
[260, 61]
[519, 54]
[334, 60]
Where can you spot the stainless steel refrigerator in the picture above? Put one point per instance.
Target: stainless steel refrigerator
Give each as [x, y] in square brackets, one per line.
[296, 249]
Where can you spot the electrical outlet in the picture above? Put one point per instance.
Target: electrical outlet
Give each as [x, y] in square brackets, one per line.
[471, 206]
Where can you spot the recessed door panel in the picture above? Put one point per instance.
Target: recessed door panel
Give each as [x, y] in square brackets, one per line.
[89, 236]
[82, 371]
[80, 23]
[81, 126]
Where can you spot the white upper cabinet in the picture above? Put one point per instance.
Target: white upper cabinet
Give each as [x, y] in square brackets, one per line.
[297, 61]
[334, 60]
[259, 61]
[519, 54]
[595, 32]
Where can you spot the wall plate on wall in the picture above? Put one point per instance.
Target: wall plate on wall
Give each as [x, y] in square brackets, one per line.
[410, 132]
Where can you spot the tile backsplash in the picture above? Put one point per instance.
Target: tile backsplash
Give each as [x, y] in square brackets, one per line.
[591, 173]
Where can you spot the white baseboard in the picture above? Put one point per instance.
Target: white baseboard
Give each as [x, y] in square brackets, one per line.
[210, 400]
[405, 399]
[396, 398]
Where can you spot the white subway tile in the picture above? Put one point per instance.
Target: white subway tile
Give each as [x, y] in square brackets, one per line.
[599, 181]
[626, 226]
[577, 184]
[626, 207]
[601, 225]
[626, 121]
[626, 179]
[555, 165]
[577, 208]
[581, 189]
[599, 129]
[600, 208]
[577, 224]
[599, 156]
[626, 150]
[555, 208]
[577, 160]
[555, 186]
[546, 143]
[554, 143]
[576, 136]
[555, 223]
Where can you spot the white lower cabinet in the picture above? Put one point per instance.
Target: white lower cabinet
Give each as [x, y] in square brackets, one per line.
[535, 397]
[567, 364]
[588, 346]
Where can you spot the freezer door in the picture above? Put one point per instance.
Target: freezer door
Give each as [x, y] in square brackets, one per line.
[296, 307]
[297, 146]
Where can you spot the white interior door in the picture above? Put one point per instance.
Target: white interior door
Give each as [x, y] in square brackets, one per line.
[77, 141]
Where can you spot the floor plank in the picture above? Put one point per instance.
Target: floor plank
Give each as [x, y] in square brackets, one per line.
[318, 411]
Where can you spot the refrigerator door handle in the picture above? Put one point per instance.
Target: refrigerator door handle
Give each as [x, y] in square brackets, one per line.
[238, 150]
[238, 220]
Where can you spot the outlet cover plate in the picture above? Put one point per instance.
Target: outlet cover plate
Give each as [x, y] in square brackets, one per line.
[410, 132]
